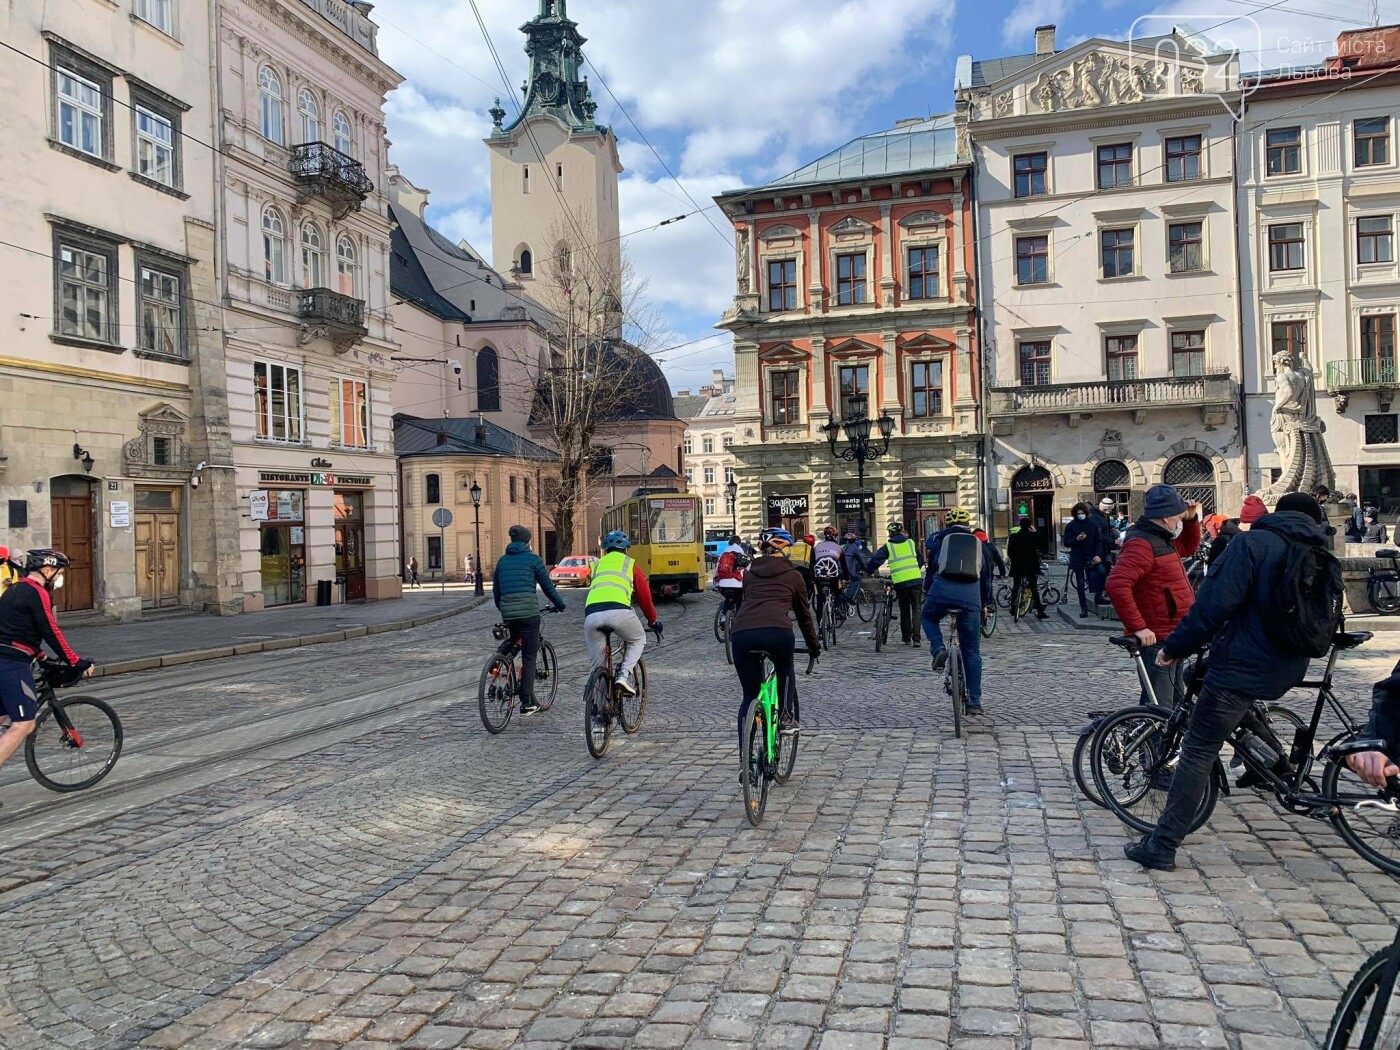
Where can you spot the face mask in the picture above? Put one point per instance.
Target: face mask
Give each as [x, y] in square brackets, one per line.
[56, 583]
[1177, 531]
[1081, 517]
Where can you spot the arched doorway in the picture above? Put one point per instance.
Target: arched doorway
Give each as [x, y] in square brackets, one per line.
[71, 531]
[1033, 496]
[1194, 477]
[1111, 479]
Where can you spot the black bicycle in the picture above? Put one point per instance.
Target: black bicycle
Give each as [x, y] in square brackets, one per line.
[1368, 1015]
[76, 739]
[1383, 584]
[604, 703]
[498, 688]
[828, 613]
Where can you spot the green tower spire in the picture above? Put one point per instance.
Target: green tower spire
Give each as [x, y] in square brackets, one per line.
[555, 85]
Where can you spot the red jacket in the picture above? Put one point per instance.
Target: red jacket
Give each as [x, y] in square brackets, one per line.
[1148, 585]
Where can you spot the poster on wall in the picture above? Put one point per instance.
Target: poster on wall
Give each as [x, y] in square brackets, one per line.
[257, 505]
[298, 535]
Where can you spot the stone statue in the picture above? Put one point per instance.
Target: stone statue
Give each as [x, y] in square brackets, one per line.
[741, 259]
[1297, 430]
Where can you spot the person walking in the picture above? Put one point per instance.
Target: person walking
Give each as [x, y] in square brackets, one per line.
[617, 582]
[1232, 613]
[1085, 542]
[959, 582]
[906, 576]
[1148, 584]
[413, 572]
[1106, 519]
[729, 573]
[1023, 554]
[1375, 531]
[513, 585]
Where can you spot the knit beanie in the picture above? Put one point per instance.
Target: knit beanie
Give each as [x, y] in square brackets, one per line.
[1252, 510]
[1302, 503]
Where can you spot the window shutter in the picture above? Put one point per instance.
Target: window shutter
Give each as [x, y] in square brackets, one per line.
[335, 411]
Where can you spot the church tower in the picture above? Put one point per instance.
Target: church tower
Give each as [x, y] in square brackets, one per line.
[553, 170]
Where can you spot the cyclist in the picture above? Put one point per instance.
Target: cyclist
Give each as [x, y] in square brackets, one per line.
[10, 571]
[513, 590]
[988, 547]
[729, 573]
[828, 566]
[1023, 551]
[617, 582]
[857, 564]
[960, 582]
[772, 588]
[27, 622]
[906, 575]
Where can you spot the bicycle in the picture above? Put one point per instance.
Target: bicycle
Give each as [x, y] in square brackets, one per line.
[76, 740]
[499, 685]
[865, 603]
[1150, 744]
[955, 676]
[1370, 988]
[1383, 585]
[989, 621]
[884, 612]
[603, 702]
[1048, 595]
[826, 614]
[765, 752]
[724, 618]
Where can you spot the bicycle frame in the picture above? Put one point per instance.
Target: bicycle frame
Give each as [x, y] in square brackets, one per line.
[768, 698]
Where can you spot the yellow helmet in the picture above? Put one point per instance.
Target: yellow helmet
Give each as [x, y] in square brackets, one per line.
[957, 516]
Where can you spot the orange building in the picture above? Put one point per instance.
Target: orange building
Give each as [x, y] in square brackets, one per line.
[853, 312]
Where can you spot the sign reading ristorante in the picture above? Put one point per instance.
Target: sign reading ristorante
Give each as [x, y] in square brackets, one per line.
[284, 477]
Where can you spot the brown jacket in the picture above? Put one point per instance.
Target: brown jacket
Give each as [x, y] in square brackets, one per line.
[772, 586]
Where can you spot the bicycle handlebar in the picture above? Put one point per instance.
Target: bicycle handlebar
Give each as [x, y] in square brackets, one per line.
[811, 655]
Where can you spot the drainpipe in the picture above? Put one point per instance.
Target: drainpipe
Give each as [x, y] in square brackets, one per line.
[984, 441]
[398, 500]
[1243, 405]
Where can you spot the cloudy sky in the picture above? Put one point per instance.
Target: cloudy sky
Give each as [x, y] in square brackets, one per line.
[732, 93]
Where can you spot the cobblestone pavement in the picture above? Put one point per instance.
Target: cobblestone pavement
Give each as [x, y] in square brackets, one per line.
[408, 880]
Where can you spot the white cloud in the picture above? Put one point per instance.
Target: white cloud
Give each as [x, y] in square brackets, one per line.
[1018, 28]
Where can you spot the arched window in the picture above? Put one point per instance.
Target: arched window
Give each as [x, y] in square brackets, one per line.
[347, 267]
[1033, 479]
[310, 116]
[527, 262]
[340, 131]
[1111, 479]
[1194, 477]
[488, 380]
[270, 91]
[432, 488]
[274, 234]
[313, 256]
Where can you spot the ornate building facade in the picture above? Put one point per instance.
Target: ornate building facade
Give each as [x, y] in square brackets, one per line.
[1107, 273]
[709, 439]
[854, 301]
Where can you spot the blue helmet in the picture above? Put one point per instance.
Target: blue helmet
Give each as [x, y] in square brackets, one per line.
[776, 539]
[616, 541]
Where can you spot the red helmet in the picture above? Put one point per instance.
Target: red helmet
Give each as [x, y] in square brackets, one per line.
[829, 533]
[809, 539]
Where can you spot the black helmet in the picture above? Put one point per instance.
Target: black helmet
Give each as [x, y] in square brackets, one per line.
[44, 558]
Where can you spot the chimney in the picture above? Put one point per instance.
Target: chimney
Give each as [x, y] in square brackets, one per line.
[1044, 41]
[442, 437]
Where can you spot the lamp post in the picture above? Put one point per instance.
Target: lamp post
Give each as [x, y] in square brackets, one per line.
[859, 449]
[731, 489]
[476, 511]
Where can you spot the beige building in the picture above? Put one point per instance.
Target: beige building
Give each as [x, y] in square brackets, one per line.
[709, 436]
[107, 382]
[304, 249]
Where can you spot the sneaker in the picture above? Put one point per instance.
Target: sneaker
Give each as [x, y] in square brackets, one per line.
[1150, 856]
[528, 708]
[625, 687]
[1102, 599]
[1042, 615]
[791, 728]
[1083, 614]
[973, 707]
[940, 660]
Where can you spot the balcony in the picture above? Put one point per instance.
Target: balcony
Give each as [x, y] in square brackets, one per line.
[1366, 374]
[1211, 393]
[337, 317]
[335, 177]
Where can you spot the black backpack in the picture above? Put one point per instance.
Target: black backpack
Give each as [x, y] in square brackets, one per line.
[960, 558]
[1307, 599]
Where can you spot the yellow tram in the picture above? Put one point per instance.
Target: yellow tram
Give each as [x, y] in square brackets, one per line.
[667, 536]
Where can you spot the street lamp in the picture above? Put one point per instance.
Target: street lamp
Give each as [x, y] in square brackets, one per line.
[476, 509]
[731, 489]
[859, 449]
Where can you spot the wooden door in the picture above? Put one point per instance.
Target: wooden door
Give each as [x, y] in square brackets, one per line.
[157, 559]
[72, 534]
[350, 542]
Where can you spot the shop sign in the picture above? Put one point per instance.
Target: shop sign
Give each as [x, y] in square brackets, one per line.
[320, 464]
[257, 505]
[853, 502]
[787, 506]
[120, 514]
[283, 477]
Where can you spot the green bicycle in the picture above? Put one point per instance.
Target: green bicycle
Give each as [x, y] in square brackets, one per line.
[765, 753]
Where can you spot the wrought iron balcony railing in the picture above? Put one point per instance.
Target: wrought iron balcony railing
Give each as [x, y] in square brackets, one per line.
[1367, 373]
[1128, 394]
[341, 316]
[326, 172]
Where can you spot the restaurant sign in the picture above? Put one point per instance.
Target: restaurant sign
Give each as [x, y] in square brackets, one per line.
[284, 477]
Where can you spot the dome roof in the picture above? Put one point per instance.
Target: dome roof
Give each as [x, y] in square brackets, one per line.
[643, 392]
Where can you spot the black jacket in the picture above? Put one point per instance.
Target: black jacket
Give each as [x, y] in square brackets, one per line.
[1023, 553]
[1233, 603]
[1227, 532]
[1085, 542]
[1108, 535]
[1385, 712]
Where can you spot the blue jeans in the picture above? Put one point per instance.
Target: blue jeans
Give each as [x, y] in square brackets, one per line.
[853, 589]
[969, 623]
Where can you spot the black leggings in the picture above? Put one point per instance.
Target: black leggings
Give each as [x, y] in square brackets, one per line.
[777, 643]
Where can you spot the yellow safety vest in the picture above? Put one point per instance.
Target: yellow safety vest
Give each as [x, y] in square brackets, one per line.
[904, 561]
[612, 581]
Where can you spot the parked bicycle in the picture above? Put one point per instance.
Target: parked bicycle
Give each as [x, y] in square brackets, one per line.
[76, 740]
[604, 703]
[1383, 583]
[767, 754]
[498, 688]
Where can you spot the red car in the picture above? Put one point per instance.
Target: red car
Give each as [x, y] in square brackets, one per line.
[573, 571]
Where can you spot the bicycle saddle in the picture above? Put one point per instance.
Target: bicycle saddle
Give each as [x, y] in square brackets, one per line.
[1351, 639]
[1127, 642]
[607, 631]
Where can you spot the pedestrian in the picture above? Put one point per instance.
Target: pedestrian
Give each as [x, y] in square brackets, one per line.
[513, 590]
[1085, 543]
[1238, 614]
[1023, 554]
[1104, 517]
[1148, 584]
[1375, 531]
[1323, 495]
[906, 576]
[468, 576]
[959, 582]
[413, 572]
[1250, 511]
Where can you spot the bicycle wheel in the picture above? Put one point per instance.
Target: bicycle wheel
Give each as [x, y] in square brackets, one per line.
[495, 693]
[1373, 833]
[882, 625]
[1023, 604]
[1133, 760]
[1050, 596]
[752, 775]
[75, 743]
[841, 611]
[728, 649]
[865, 605]
[786, 756]
[989, 623]
[597, 716]
[957, 689]
[546, 677]
[1353, 1014]
[1083, 775]
[1003, 596]
[633, 709]
[1384, 595]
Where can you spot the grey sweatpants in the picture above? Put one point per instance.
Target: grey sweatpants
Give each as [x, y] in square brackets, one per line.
[625, 626]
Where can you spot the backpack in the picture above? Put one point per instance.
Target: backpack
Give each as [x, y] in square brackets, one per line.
[1307, 597]
[960, 558]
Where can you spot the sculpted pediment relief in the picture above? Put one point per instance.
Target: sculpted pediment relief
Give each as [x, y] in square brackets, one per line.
[1102, 78]
[782, 352]
[781, 232]
[852, 346]
[850, 227]
[922, 220]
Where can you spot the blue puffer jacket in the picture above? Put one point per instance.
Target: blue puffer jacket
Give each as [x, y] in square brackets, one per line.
[1235, 600]
[513, 583]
